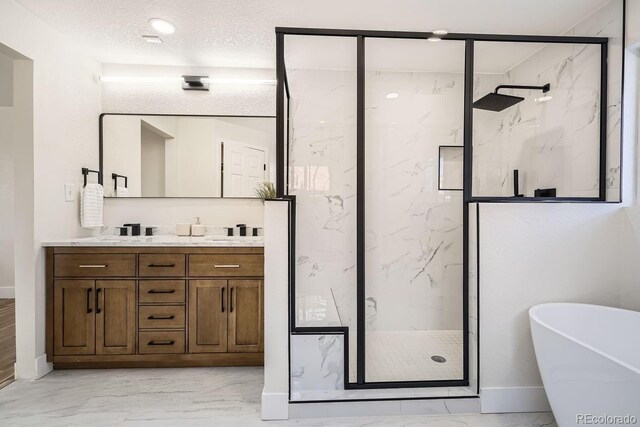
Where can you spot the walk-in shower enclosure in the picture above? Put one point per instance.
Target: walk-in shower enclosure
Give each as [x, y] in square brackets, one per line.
[383, 158]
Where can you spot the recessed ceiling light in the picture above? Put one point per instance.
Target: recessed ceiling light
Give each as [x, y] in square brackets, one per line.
[152, 39]
[392, 95]
[440, 32]
[434, 39]
[322, 122]
[162, 25]
[544, 98]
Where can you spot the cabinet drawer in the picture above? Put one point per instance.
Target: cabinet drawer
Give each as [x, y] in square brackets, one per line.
[161, 342]
[226, 265]
[161, 317]
[160, 265]
[161, 291]
[95, 265]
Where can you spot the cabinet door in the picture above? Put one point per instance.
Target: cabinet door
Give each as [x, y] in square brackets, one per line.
[208, 308]
[115, 316]
[74, 317]
[245, 316]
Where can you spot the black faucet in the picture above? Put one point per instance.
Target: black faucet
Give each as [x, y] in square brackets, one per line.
[135, 229]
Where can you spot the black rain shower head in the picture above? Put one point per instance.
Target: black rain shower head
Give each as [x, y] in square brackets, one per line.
[495, 101]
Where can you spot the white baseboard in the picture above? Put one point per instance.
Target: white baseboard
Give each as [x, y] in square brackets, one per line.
[275, 406]
[495, 400]
[384, 408]
[6, 292]
[42, 366]
[39, 369]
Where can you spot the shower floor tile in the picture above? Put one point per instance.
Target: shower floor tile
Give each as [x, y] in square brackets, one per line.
[406, 356]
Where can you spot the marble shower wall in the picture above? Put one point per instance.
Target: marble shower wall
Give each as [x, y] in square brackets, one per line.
[554, 143]
[413, 231]
[317, 363]
[322, 175]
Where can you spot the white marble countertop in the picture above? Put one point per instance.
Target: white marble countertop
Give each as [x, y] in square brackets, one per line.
[162, 240]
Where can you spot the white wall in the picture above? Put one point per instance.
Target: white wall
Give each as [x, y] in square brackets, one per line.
[171, 99]
[215, 212]
[532, 254]
[6, 81]
[152, 167]
[7, 272]
[535, 253]
[61, 139]
[122, 136]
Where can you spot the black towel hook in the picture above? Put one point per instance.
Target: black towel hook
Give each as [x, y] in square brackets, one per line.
[87, 171]
[115, 176]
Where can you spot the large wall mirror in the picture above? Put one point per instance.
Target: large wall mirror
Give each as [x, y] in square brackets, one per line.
[185, 156]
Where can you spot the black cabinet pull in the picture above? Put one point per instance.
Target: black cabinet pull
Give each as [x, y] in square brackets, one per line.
[89, 310]
[161, 317]
[98, 310]
[161, 342]
[161, 291]
[231, 301]
[222, 298]
[161, 265]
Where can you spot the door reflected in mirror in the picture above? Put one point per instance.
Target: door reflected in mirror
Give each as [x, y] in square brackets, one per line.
[186, 156]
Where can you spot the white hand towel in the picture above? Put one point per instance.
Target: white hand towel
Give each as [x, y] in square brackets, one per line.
[91, 201]
[122, 192]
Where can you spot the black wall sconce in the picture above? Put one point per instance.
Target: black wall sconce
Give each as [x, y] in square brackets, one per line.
[195, 83]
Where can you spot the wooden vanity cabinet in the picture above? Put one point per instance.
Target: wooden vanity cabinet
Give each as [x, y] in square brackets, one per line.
[245, 316]
[208, 316]
[94, 317]
[154, 307]
[236, 326]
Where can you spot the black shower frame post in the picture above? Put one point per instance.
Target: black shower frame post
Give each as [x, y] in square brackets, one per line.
[282, 141]
[360, 213]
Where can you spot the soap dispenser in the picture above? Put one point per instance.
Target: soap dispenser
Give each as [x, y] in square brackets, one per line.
[198, 229]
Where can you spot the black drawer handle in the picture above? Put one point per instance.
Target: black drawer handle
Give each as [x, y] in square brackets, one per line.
[161, 342]
[161, 265]
[161, 317]
[89, 309]
[98, 310]
[161, 291]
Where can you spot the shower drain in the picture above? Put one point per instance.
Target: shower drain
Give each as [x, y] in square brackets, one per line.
[438, 359]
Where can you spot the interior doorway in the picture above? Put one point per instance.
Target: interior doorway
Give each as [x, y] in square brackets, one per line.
[153, 148]
[17, 274]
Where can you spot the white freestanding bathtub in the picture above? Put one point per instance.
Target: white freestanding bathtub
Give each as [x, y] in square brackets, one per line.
[589, 360]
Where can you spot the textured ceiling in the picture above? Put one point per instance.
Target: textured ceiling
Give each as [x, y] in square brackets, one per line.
[240, 33]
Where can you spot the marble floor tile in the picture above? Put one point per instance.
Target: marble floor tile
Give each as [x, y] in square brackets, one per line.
[184, 397]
